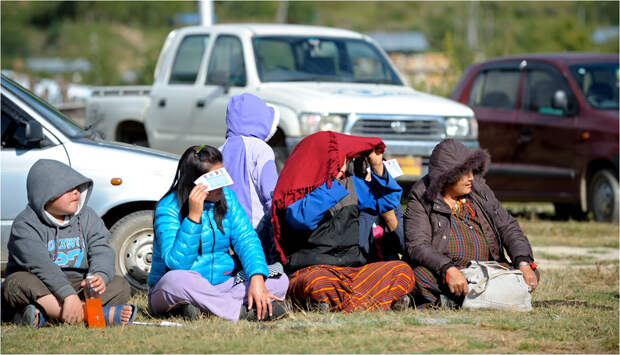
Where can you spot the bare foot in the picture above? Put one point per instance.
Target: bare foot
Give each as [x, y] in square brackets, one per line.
[125, 314]
[36, 318]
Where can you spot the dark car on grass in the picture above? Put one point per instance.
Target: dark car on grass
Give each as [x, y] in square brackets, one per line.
[550, 122]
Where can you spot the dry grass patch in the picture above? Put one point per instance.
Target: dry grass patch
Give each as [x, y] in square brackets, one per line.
[575, 311]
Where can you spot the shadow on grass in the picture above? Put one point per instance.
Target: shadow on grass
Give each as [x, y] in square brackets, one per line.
[531, 215]
[570, 303]
[545, 216]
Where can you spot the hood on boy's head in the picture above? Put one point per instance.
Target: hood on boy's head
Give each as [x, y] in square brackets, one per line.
[249, 116]
[48, 180]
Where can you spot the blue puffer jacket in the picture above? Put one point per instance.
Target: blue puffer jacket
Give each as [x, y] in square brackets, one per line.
[176, 242]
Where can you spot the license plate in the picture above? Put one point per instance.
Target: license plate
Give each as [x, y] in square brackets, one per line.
[410, 165]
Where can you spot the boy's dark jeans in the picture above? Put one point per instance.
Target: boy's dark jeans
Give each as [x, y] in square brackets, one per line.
[22, 288]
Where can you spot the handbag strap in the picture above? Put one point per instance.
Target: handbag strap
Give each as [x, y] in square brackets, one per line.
[481, 286]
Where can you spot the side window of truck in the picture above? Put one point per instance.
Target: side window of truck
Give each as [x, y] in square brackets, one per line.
[187, 62]
[495, 88]
[540, 86]
[226, 65]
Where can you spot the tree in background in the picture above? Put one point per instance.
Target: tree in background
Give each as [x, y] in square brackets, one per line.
[127, 36]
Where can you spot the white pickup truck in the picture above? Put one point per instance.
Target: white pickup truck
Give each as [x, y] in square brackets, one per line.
[320, 79]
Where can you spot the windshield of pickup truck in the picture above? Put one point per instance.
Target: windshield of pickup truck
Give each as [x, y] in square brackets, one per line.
[598, 83]
[55, 117]
[289, 58]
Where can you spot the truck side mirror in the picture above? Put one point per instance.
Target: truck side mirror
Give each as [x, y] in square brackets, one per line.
[33, 133]
[560, 101]
[220, 78]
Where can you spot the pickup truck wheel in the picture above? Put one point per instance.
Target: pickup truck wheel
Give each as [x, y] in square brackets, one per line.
[132, 240]
[603, 196]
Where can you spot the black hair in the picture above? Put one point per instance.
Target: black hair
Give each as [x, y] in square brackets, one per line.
[196, 161]
[359, 165]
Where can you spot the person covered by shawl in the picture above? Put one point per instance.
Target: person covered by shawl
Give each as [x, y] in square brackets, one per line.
[332, 191]
[250, 161]
[452, 218]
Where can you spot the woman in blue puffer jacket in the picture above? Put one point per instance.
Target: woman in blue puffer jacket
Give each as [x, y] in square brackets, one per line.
[192, 269]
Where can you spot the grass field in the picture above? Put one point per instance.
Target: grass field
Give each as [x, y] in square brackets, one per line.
[575, 311]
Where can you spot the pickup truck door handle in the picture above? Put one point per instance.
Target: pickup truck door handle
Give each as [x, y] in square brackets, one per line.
[162, 103]
[201, 103]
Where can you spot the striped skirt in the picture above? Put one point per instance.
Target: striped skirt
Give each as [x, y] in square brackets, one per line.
[427, 289]
[370, 287]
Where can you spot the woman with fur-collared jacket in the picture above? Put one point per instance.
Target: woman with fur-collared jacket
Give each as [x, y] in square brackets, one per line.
[453, 217]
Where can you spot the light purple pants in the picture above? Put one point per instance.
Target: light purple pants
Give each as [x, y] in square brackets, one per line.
[224, 300]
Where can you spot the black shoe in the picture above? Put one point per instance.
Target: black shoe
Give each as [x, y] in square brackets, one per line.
[278, 310]
[448, 302]
[319, 307]
[402, 303]
[247, 314]
[187, 311]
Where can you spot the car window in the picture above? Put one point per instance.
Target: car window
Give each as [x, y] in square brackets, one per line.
[293, 58]
[14, 128]
[367, 65]
[540, 87]
[274, 54]
[495, 88]
[61, 122]
[226, 62]
[12, 132]
[598, 82]
[187, 62]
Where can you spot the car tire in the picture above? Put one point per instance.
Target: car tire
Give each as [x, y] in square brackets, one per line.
[603, 196]
[132, 240]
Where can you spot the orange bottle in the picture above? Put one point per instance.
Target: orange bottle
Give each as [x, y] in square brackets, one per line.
[93, 312]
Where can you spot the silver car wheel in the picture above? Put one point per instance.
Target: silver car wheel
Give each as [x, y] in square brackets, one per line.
[132, 240]
[136, 256]
[603, 196]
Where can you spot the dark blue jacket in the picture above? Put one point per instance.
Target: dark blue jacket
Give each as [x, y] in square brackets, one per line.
[312, 213]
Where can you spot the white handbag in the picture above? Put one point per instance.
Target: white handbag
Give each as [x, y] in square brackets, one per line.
[492, 285]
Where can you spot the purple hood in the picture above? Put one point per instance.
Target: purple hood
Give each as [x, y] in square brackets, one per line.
[247, 158]
[249, 116]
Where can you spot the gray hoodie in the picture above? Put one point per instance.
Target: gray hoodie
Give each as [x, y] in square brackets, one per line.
[56, 251]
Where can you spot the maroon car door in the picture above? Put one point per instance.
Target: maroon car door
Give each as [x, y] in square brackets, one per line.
[544, 157]
[494, 98]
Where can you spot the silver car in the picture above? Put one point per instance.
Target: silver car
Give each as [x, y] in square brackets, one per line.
[128, 180]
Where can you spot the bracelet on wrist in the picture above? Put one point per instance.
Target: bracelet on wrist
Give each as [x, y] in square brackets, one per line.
[532, 265]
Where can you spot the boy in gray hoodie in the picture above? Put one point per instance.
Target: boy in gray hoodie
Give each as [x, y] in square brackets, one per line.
[55, 241]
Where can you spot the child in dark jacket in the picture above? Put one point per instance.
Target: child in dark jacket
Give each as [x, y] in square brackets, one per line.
[55, 242]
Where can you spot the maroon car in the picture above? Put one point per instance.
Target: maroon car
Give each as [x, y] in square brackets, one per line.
[550, 122]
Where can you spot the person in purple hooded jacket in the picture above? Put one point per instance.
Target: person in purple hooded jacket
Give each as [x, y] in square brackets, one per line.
[250, 161]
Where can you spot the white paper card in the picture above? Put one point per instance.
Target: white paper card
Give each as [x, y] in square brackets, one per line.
[393, 168]
[215, 179]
